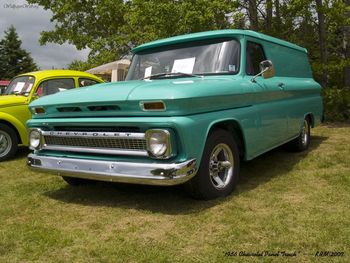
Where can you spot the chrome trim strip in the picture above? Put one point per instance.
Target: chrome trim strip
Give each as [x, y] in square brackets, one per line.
[119, 135]
[94, 150]
[125, 172]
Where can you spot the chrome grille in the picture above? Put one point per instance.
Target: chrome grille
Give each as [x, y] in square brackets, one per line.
[129, 144]
[96, 142]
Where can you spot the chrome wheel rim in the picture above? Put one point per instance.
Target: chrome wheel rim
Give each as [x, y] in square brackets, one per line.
[305, 133]
[221, 164]
[5, 143]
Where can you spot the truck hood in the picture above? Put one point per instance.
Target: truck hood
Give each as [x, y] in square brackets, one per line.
[181, 96]
[12, 100]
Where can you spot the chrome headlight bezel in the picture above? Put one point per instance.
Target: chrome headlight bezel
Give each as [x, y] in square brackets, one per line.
[158, 143]
[35, 139]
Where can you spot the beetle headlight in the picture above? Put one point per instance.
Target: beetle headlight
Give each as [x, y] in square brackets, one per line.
[35, 139]
[158, 143]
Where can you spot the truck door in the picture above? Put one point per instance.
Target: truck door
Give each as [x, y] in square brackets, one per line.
[271, 110]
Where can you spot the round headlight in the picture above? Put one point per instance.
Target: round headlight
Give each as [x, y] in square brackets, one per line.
[158, 143]
[35, 139]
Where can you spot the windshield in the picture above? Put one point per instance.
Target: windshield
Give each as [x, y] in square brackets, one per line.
[21, 86]
[199, 58]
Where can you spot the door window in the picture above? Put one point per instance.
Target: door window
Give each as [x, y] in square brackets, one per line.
[53, 86]
[254, 55]
[83, 82]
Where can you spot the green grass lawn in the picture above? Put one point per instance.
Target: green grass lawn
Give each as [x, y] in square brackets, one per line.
[293, 202]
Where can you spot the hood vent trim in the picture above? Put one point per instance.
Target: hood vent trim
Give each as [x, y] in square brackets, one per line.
[69, 109]
[104, 108]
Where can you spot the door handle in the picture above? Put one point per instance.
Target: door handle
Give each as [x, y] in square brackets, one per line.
[281, 85]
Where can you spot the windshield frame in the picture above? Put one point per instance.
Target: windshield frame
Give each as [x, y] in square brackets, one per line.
[26, 94]
[206, 41]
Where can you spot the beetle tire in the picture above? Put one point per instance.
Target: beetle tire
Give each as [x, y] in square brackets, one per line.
[8, 142]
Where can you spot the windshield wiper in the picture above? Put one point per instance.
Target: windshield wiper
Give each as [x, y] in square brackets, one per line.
[16, 93]
[172, 74]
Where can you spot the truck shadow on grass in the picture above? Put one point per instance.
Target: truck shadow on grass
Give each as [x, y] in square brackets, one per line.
[174, 200]
[275, 163]
[22, 152]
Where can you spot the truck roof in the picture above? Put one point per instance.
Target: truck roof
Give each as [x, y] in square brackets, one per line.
[215, 34]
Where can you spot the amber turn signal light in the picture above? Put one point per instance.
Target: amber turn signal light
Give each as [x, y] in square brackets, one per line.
[152, 106]
[38, 110]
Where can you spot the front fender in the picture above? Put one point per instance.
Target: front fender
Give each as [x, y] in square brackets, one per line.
[194, 130]
[17, 124]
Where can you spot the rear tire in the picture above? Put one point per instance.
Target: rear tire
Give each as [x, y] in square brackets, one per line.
[8, 142]
[302, 142]
[218, 172]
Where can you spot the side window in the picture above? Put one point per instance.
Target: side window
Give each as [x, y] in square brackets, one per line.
[53, 86]
[86, 82]
[254, 55]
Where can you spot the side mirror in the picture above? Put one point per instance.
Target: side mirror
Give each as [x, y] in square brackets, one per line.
[267, 70]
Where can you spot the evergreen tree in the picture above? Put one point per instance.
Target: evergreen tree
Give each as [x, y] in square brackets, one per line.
[14, 60]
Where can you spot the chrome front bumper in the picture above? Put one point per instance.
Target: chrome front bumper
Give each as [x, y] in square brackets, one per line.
[124, 172]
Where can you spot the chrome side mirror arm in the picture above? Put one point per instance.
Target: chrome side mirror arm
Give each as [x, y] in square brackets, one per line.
[266, 66]
[259, 74]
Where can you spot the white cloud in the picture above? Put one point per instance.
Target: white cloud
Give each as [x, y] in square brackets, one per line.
[29, 21]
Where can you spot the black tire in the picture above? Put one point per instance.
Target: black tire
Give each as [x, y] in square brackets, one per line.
[206, 184]
[8, 142]
[73, 181]
[302, 142]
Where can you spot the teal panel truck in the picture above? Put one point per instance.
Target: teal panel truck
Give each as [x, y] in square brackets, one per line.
[192, 107]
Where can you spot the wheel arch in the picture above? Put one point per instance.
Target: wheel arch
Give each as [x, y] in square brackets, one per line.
[310, 116]
[17, 126]
[234, 128]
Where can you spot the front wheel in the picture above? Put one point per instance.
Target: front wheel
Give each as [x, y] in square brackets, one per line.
[8, 142]
[218, 172]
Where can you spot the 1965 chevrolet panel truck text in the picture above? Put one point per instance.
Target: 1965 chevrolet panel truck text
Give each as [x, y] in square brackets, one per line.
[192, 107]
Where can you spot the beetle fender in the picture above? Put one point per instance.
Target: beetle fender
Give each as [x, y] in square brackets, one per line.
[20, 128]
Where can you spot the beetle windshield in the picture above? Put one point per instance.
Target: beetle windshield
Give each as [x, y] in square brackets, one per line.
[220, 56]
[20, 86]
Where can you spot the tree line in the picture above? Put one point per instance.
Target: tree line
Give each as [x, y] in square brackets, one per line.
[110, 28]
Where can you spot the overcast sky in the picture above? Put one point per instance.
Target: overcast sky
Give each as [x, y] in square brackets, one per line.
[29, 21]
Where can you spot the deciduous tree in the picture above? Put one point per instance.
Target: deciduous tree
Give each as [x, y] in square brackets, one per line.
[111, 27]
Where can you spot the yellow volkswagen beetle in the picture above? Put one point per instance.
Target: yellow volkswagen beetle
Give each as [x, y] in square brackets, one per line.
[22, 90]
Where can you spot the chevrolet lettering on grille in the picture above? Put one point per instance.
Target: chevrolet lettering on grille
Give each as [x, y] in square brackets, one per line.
[94, 134]
[123, 143]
